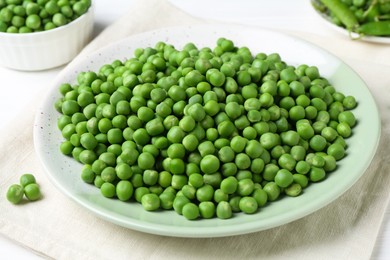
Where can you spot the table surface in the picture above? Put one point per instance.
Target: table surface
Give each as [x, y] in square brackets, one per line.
[295, 15]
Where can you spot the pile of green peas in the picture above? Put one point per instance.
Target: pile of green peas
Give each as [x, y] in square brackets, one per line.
[205, 132]
[27, 16]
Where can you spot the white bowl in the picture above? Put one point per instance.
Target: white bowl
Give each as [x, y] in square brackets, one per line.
[47, 49]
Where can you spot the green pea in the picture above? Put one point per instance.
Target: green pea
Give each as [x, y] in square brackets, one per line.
[146, 161]
[205, 193]
[124, 190]
[330, 163]
[296, 113]
[88, 141]
[190, 211]
[26, 179]
[349, 102]
[150, 177]
[336, 150]
[205, 148]
[257, 166]
[243, 161]
[248, 205]
[260, 196]
[269, 140]
[283, 178]
[293, 190]
[209, 164]
[286, 161]
[318, 143]
[166, 200]
[196, 180]
[344, 129]
[224, 210]
[150, 202]
[272, 190]
[317, 174]
[33, 21]
[298, 152]
[15, 193]
[245, 187]
[207, 209]
[347, 117]
[229, 185]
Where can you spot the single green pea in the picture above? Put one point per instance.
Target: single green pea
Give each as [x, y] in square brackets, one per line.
[190, 211]
[32, 191]
[260, 196]
[205, 193]
[287, 161]
[283, 178]
[226, 154]
[272, 190]
[87, 174]
[150, 202]
[344, 129]
[269, 140]
[166, 199]
[318, 143]
[245, 187]
[349, 102]
[196, 180]
[146, 161]
[15, 193]
[229, 185]
[190, 142]
[293, 190]
[124, 190]
[248, 205]
[206, 209]
[26, 179]
[209, 164]
[224, 210]
[33, 21]
[336, 150]
[317, 174]
[243, 161]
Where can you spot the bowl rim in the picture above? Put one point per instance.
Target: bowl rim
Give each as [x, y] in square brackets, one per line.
[57, 29]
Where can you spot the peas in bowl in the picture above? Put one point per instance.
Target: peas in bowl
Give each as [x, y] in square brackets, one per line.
[32, 32]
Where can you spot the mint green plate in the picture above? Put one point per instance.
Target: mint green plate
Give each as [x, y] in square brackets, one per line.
[64, 172]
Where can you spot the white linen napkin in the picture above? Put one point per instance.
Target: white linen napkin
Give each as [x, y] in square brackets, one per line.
[58, 228]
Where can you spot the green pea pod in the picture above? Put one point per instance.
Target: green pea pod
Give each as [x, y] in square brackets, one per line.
[381, 28]
[342, 12]
[372, 12]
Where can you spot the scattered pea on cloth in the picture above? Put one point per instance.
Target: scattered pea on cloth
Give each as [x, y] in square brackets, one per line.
[27, 187]
[205, 132]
